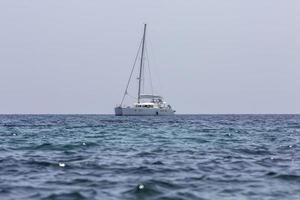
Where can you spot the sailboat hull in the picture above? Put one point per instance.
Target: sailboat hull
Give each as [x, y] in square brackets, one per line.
[146, 105]
[130, 111]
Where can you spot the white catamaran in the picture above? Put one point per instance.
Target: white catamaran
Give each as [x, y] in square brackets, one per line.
[147, 104]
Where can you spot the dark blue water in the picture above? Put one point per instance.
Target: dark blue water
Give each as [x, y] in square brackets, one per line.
[180, 157]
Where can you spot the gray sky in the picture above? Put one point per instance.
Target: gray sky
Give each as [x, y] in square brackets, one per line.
[72, 56]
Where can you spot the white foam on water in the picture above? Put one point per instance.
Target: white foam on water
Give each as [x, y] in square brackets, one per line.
[141, 186]
[62, 164]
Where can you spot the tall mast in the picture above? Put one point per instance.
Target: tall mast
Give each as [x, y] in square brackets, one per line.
[141, 64]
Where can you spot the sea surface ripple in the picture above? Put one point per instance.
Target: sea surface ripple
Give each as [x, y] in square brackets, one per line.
[179, 157]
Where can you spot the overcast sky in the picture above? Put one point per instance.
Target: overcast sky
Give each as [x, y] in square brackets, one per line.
[75, 56]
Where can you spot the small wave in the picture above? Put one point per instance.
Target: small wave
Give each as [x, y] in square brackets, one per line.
[62, 147]
[151, 189]
[158, 163]
[147, 192]
[44, 146]
[253, 151]
[71, 195]
[286, 177]
[144, 154]
[41, 163]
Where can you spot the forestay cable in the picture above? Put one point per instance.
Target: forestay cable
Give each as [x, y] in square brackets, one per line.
[136, 57]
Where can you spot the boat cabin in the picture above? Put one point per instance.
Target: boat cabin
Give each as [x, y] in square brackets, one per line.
[150, 101]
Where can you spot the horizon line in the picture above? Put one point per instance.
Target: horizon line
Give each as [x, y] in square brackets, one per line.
[143, 116]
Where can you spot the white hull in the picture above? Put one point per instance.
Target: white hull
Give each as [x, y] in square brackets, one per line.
[129, 111]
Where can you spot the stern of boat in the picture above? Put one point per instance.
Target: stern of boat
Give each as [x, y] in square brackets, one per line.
[118, 111]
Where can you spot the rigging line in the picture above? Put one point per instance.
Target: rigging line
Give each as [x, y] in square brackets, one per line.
[155, 71]
[133, 97]
[143, 74]
[136, 57]
[143, 68]
[148, 64]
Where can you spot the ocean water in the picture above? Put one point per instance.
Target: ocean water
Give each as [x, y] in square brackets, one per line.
[178, 157]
